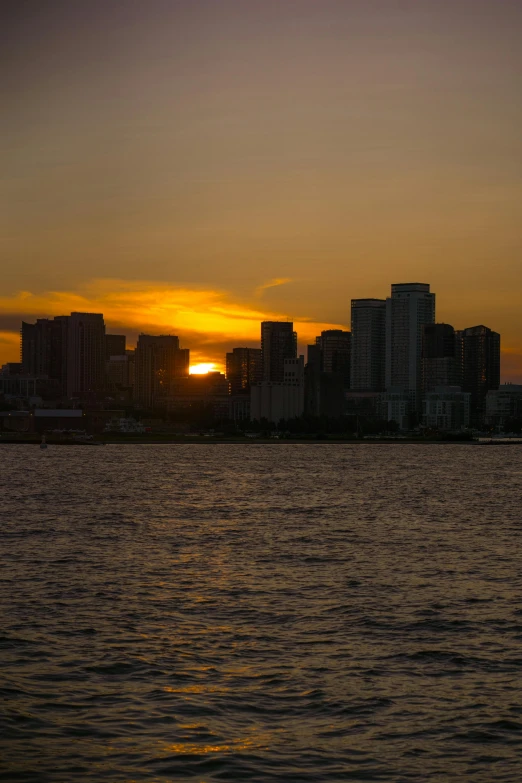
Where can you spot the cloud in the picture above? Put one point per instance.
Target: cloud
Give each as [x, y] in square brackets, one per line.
[272, 284]
[207, 321]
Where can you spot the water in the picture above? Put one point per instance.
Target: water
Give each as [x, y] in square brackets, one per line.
[261, 613]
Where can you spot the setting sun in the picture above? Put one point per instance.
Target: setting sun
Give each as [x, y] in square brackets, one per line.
[203, 368]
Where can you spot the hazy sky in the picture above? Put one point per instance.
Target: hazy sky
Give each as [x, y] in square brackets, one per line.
[193, 166]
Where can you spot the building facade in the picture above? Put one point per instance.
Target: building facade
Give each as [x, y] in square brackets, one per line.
[85, 353]
[396, 405]
[119, 371]
[278, 342]
[44, 349]
[335, 351]
[209, 390]
[503, 405]
[244, 367]
[368, 348]
[446, 408]
[440, 361]
[159, 362]
[479, 347]
[409, 308]
[274, 401]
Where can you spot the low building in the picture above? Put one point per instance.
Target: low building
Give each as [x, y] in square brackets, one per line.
[124, 425]
[397, 405]
[58, 419]
[24, 387]
[239, 407]
[274, 401]
[209, 389]
[119, 371]
[503, 404]
[446, 408]
[16, 421]
[363, 403]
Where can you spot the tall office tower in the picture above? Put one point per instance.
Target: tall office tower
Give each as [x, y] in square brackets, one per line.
[278, 342]
[480, 349]
[44, 349]
[159, 361]
[59, 352]
[335, 347]
[36, 347]
[244, 367]
[85, 353]
[408, 309]
[368, 353]
[440, 361]
[115, 345]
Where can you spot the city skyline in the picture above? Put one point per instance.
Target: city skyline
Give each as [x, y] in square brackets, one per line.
[397, 364]
[205, 166]
[208, 354]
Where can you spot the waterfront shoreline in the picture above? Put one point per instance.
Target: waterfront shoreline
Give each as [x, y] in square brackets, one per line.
[259, 441]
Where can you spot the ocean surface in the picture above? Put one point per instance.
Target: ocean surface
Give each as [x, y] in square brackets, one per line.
[261, 613]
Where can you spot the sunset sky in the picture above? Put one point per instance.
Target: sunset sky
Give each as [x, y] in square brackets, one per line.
[196, 166]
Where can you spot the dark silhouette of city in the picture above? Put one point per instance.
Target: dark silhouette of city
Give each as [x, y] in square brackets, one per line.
[397, 372]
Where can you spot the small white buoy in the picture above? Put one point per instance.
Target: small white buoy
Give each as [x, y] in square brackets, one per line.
[43, 444]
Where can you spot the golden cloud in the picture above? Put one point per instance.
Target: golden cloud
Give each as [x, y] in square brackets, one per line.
[209, 322]
[272, 284]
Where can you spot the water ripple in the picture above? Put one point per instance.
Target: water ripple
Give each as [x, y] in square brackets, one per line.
[261, 613]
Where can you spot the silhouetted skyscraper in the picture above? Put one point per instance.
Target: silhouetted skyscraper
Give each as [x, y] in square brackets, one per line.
[36, 347]
[44, 349]
[368, 353]
[408, 309]
[480, 349]
[335, 347]
[440, 362]
[244, 367]
[278, 342]
[59, 351]
[85, 353]
[159, 361]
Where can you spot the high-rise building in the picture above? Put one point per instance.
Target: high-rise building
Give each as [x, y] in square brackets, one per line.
[479, 347]
[115, 345]
[440, 361]
[159, 361]
[59, 351]
[278, 342]
[335, 347]
[368, 353]
[36, 347]
[408, 309]
[327, 373]
[43, 349]
[244, 367]
[85, 353]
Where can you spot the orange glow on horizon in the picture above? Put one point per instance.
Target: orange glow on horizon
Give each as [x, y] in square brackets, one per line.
[203, 368]
[209, 322]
